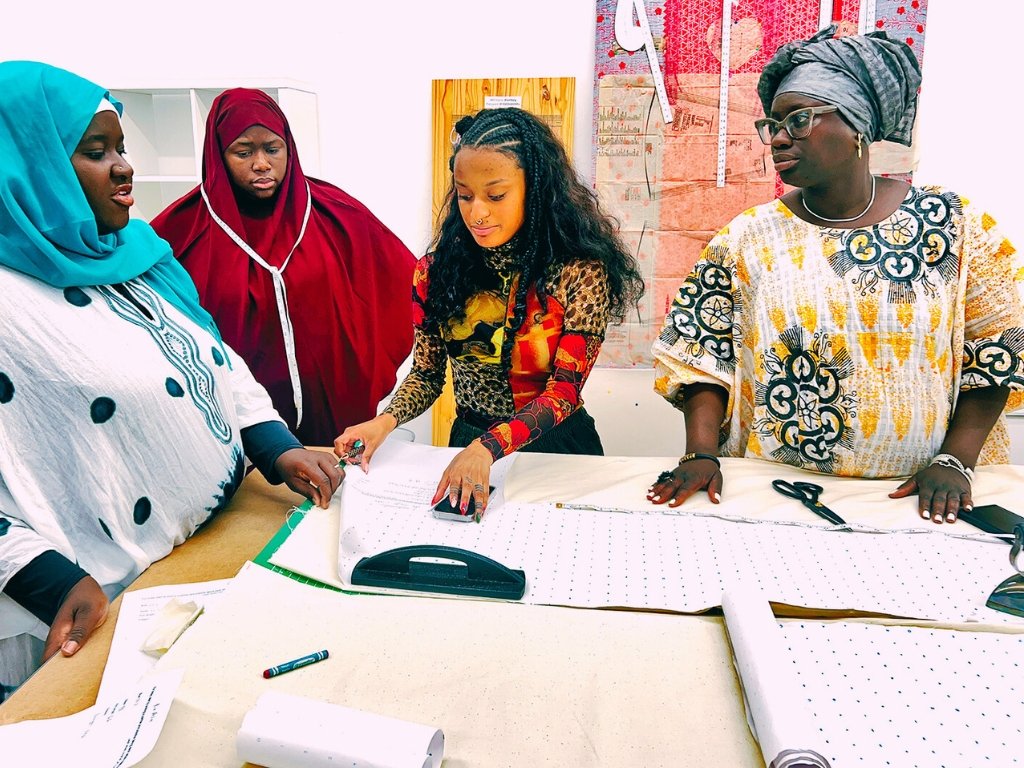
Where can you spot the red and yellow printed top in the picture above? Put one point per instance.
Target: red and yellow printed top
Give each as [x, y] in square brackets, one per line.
[516, 391]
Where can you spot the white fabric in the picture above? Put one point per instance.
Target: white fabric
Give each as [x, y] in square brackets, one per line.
[776, 710]
[152, 467]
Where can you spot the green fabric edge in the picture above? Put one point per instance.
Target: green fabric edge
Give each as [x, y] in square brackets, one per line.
[264, 555]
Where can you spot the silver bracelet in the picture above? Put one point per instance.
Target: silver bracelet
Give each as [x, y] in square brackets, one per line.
[951, 461]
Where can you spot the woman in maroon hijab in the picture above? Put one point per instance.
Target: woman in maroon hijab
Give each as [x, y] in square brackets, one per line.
[303, 281]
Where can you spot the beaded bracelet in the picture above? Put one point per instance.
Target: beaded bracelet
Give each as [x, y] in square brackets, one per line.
[692, 456]
[951, 461]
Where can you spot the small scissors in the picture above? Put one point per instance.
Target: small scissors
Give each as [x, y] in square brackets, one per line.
[807, 494]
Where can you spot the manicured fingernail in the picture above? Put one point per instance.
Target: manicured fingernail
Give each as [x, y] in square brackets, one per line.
[715, 496]
[950, 518]
[925, 514]
[657, 498]
[968, 507]
[937, 517]
[69, 647]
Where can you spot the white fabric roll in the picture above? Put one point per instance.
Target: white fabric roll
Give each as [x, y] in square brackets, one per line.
[778, 717]
[285, 731]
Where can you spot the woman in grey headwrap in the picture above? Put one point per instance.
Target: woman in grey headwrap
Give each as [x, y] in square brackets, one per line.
[859, 325]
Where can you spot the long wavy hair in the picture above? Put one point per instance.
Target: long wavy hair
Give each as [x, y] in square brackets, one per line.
[562, 223]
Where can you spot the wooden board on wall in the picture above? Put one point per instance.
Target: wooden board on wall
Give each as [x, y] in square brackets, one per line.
[552, 99]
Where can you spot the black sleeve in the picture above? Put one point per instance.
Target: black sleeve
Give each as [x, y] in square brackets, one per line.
[264, 442]
[41, 586]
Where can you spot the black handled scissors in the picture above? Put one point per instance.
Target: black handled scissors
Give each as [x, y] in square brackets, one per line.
[807, 494]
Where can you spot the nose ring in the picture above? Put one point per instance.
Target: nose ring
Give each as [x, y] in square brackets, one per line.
[479, 222]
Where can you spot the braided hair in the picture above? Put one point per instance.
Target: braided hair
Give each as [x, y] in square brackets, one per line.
[562, 223]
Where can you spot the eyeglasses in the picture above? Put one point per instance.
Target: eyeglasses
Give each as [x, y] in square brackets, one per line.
[798, 123]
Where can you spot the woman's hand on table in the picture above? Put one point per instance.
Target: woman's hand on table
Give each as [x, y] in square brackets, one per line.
[467, 477]
[372, 433]
[686, 479]
[314, 474]
[941, 493]
[82, 611]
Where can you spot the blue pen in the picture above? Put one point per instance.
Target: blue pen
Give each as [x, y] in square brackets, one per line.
[288, 666]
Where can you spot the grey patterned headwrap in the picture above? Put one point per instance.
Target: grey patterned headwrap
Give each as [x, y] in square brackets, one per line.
[872, 78]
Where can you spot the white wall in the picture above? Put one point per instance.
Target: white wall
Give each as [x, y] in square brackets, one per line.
[372, 65]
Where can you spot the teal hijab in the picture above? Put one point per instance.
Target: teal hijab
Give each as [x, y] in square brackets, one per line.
[47, 229]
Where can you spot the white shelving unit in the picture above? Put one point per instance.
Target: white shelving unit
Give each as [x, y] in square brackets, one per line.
[164, 128]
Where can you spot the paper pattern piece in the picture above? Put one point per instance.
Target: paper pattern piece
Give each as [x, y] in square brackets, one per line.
[118, 732]
[660, 558]
[913, 697]
[286, 731]
[402, 477]
[127, 662]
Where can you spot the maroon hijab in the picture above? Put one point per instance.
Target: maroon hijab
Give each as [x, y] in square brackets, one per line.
[347, 281]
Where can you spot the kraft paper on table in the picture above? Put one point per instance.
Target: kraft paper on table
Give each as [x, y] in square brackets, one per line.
[509, 684]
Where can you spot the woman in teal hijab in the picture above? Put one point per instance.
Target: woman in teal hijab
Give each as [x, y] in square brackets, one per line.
[47, 229]
[124, 418]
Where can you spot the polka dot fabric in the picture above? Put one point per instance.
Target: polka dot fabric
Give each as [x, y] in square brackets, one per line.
[910, 697]
[681, 562]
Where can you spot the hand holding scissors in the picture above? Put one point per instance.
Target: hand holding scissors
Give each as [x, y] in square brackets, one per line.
[807, 494]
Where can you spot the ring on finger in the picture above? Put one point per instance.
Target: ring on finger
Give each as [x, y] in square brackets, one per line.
[478, 487]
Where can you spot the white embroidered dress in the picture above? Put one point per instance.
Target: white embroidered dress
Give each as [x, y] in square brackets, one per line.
[119, 430]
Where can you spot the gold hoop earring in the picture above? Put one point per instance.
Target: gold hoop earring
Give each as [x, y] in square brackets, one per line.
[859, 151]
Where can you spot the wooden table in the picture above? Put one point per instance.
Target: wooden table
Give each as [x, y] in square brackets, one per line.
[64, 686]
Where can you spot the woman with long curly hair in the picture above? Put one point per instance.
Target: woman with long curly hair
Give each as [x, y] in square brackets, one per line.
[525, 273]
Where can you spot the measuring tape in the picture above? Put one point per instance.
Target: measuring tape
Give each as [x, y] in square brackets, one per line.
[723, 91]
[866, 20]
[633, 38]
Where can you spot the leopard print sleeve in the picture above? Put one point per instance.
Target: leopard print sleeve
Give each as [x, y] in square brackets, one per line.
[425, 381]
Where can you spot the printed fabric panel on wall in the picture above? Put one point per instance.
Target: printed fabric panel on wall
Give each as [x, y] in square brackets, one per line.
[672, 184]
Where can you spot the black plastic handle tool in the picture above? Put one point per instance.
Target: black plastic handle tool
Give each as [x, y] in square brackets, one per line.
[474, 575]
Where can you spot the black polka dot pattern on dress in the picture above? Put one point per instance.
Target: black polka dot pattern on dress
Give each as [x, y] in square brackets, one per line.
[143, 509]
[218, 358]
[106, 530]
[6, 388]
[4, 525]
[102, 409]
